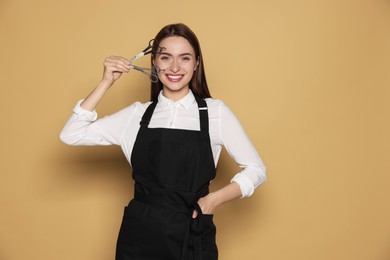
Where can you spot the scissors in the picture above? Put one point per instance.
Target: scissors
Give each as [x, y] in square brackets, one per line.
[154, 70]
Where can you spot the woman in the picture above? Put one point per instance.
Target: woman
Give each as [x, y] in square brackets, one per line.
[173, 144]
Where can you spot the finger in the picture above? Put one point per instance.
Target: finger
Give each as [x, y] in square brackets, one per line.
[118, 58]
[111, 69]
[117, 61]
[124, 60]
[122, 67]
[194, 214]
[116, 66]
[115, 57]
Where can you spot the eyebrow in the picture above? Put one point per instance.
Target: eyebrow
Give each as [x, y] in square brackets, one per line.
[167, 53]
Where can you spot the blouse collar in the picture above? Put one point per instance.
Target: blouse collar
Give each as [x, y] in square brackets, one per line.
[185, 102]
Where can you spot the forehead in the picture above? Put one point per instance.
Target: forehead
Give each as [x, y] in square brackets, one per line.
[176, 45]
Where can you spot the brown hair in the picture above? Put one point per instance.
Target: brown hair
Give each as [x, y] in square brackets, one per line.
[198, 83]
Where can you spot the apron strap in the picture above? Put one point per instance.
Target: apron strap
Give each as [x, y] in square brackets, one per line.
[203, 114]
[148, 114]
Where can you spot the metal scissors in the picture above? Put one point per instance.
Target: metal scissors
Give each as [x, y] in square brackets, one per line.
[154, 70]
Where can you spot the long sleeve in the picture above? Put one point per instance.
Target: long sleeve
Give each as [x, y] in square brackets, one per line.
[82, 127]
[242, 152]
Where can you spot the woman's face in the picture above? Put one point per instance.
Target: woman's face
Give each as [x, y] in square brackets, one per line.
[177, 62]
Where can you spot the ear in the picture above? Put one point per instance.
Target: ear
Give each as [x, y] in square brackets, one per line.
[197, 64]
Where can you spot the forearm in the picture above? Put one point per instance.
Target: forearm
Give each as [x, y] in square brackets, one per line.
[227, 193]
[91, 101]
[114, 66]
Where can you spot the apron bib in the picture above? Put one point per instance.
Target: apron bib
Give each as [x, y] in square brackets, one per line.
[172, 169]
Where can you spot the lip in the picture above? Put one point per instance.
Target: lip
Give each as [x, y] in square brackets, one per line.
[174, 77]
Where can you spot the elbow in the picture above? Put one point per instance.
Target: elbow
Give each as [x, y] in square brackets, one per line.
[256, 177]
[250, 179]
[259, 177]
[67, 139]
[64, 139]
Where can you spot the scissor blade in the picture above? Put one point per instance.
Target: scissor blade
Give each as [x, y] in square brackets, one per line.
[136, 57]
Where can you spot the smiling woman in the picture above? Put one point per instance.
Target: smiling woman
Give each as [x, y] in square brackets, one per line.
[180, 36]
[177, 62]
[173, 144]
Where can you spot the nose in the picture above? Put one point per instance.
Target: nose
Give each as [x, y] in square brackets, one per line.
[175, 66]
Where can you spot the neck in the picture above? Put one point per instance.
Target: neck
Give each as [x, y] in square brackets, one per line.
[175, 95]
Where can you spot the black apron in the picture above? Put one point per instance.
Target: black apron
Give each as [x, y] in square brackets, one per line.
[172, 169]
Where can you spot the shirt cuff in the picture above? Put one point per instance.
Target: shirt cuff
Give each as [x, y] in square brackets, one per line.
[88, 115]
[246, 185]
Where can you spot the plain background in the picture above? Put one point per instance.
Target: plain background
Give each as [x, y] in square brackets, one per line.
[309, 81]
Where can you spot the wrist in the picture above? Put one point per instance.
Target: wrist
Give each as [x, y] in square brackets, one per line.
[230, 192]
[214, 199]
[106, 83]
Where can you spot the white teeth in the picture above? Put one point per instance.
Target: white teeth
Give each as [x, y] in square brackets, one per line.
[174, 77]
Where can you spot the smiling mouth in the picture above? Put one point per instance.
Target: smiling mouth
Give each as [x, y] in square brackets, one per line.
[174, 78]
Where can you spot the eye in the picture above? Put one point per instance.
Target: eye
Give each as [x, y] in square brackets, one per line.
[164, 58]
[186, 58]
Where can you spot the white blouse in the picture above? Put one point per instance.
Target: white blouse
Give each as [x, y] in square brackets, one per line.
[122, 127]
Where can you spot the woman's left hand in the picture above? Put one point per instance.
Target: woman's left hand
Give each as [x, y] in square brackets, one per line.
[207, 205]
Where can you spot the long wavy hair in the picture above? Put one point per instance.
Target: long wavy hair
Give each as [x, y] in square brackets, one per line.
[198, 83]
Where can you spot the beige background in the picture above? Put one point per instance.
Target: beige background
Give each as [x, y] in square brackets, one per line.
[309, 81]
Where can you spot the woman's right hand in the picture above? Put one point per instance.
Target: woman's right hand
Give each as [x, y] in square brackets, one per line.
[114, 66]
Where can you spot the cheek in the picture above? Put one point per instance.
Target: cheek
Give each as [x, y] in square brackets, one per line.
[190, 67]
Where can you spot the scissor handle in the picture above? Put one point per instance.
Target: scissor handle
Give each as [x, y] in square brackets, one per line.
[153, 78]
[149, 49]
[156, 69]
[151, 43]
